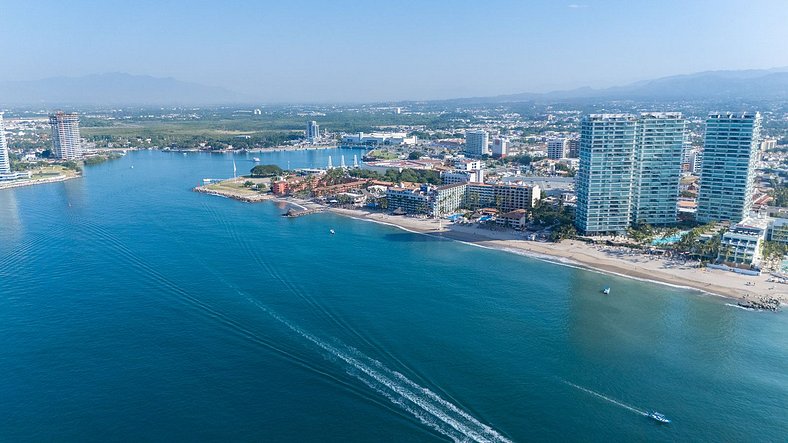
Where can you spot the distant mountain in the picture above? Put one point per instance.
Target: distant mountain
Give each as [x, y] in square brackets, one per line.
[114, 89]
[752, 84]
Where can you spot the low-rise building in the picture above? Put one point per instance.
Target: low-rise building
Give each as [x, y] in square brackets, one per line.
[741, 244]
[479, 195]
[379, 138]
[409, 200]
[448, 198]
[511, 196]
[449, 177]
[778, 230]
[513, 219]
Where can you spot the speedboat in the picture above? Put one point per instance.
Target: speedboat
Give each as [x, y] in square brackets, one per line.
[331, 231]
[657, 416]
[256, 159]
[606, 291]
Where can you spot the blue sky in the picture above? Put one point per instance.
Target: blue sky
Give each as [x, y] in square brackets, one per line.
[302, 50]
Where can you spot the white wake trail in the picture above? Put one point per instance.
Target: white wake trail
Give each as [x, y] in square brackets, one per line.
[608, 399]
[424, 404]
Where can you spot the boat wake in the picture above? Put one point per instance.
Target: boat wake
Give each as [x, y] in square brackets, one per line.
[428, 407]
[740, 307]
[607, 399]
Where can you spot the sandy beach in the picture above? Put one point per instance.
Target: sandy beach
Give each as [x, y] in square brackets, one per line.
[607, 259]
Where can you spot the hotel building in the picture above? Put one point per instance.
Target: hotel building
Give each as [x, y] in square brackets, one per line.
[476, 142]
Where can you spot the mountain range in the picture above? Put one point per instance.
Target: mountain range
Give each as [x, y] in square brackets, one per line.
[750, 84]
[125, 89]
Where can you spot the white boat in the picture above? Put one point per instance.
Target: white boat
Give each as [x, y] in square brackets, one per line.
[658, 417]
[256, 159]
[331, 231]
[606, 291]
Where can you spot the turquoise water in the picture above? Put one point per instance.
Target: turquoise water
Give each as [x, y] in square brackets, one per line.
[669, 240]
[132, 309]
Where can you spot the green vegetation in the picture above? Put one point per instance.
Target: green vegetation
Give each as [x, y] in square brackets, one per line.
[773, 250]
[381, 154]
[559, 218]
[101, 158]
[641, 232]
[522, 159]
[780, 196]
[394, 176]
[266, 171]
[415, 155]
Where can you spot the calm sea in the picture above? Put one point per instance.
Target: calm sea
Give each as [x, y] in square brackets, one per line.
[132, 309]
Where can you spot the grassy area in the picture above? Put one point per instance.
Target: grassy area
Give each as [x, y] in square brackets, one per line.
[238, 185]
[52, 171]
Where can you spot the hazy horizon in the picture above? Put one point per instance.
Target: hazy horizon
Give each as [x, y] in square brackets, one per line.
[345, 51]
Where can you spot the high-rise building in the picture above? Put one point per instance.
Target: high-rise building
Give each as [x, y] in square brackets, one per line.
[727, 171]
[604, 178]
[500, 147]
[574, 147]
[557, 148]
[695, 161]
[476, 142]
[5, 164]
[313, 131]
[659, 142]
[629, 171]
[65, 135]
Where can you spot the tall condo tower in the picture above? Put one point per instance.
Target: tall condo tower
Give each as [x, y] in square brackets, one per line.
[727, 169]
[659, 143]
[312, 131]
[65, 135]
[476, 142]
[604, 179]
[5, 164]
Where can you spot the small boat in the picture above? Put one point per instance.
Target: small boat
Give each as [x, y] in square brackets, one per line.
[331, 231]
[256, 159]
[657, 416]
[132, 167]
[606, 291]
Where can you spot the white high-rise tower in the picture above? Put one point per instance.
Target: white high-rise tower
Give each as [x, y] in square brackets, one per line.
[5, 164]
[65, 135]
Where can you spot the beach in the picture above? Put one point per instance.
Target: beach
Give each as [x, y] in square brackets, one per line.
[607, 259]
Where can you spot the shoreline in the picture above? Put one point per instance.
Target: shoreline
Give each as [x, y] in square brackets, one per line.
[43, 181]
[723, 284]
[601, 259]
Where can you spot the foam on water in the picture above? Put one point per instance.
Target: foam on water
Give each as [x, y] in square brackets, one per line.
[606, 398]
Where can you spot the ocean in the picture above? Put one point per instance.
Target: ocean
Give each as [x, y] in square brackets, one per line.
[132, 309]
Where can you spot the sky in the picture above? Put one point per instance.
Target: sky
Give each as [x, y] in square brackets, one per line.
[344, 51]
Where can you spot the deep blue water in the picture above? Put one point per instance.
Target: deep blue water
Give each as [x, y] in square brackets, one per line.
[132, 309]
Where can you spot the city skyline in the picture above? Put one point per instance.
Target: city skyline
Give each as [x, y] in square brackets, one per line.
[416, 52]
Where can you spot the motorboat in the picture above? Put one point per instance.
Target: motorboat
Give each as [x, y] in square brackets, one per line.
[606, 291]
[331, 231]
[657, 416]
[256, 159]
